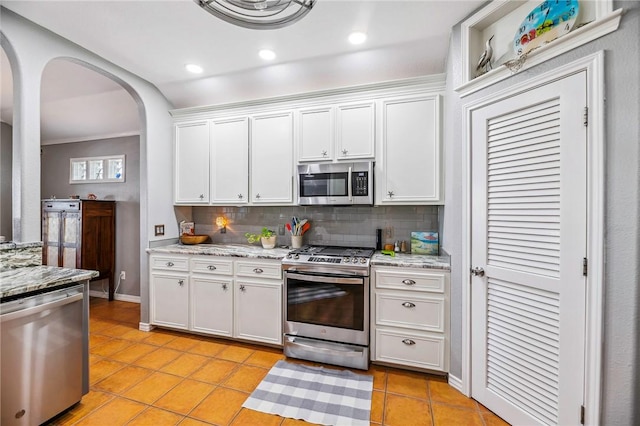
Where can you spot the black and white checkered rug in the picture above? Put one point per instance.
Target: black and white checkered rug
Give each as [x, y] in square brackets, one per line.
[314, 394]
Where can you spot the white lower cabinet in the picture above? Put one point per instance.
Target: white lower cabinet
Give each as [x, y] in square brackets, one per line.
[410, 317]
[218, 296]
[212, 305]
[258, 314]
[170, 299]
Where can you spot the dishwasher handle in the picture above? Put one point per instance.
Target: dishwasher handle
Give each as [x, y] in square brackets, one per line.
[40, 308]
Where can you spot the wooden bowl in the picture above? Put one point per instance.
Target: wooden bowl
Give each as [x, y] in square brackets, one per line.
[193, 239]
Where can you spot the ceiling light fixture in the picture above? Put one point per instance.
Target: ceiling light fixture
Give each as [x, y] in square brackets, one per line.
[267, 55]
[196, 69]
[258, 14]
[357, 38]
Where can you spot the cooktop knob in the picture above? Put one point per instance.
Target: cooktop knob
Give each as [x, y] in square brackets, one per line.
[345, 259]
[354, 260]
[288, 255]
[296, 256]
[363, 260]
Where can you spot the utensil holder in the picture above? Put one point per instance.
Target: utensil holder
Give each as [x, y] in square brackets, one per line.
[296, 241]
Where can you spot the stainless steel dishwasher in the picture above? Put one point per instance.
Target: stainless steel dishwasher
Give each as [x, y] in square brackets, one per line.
[44, 355]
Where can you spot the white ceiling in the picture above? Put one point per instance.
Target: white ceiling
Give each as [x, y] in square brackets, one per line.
[155, 39]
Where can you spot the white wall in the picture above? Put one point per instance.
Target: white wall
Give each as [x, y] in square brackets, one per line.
[621, 370]
[29, 48]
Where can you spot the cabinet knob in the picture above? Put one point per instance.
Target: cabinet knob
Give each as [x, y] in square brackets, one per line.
[258, 196]
[408, 282]
[324, 153]
[242, 288]
[202, 196]
[408, 305]
[211, 268]
[169, 264]
[408, 342]
[240, 197]
[224, 287]
[390, 194]
[181, 282]
[344, 152]
[258, 270]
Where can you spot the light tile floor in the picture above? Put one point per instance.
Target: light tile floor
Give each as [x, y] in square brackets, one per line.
[168, 378]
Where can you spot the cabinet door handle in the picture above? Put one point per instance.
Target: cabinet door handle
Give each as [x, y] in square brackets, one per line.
[201, 196]
[240, 196]
[242, 288]
[224, 287]
[408, 342]
[211, 268]
[169, 264]
[390, 194]
[409, 305]
[258, 196]
[344, 152]
[324, 153]
[258, 270]
[408, 282]
[181, 282]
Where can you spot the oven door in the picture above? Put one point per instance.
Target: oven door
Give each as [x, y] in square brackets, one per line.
[327, 306]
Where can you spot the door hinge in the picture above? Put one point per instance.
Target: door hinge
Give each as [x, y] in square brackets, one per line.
[584, 266]
[582, 414]
[585, 117]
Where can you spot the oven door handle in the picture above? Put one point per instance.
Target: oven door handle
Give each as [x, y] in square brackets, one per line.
[324, 278]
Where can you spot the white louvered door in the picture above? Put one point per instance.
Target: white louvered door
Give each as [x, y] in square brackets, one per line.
[529, 236]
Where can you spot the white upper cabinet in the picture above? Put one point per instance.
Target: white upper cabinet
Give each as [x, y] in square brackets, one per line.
[192, 163]
[271, 166]
[316, 134]
[408, 162]
[230, 161]
[355, 130]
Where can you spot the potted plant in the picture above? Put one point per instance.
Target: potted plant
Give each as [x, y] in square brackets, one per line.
[267, 237]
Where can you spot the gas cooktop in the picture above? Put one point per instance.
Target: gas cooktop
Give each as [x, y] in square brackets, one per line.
[329, 255]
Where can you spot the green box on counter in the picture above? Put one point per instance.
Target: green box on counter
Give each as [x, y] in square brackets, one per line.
[425, 243]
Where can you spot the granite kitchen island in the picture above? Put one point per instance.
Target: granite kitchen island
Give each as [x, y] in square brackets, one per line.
[45, 336]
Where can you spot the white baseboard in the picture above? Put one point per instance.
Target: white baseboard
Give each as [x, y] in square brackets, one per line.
[455, 382]
[144, 326]
[121, 297]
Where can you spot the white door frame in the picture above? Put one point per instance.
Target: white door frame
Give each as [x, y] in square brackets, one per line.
[594, 67]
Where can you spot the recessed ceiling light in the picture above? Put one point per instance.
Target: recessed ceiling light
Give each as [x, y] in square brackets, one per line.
[267, 55]
[196, 69]
[357, 38]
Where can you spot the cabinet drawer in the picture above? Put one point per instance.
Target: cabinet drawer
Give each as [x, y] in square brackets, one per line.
[423, 313]
[170, 263]
[212, 265]
[411, 350]
[259, 269]
[415, 281]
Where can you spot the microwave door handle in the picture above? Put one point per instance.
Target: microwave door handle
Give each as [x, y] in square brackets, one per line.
[349, 192]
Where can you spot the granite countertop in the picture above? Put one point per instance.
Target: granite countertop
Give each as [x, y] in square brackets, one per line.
[11, 245]
[405, 260]
[231, 250]
[19, 281]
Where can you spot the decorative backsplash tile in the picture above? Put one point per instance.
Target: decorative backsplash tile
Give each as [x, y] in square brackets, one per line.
[355, 226]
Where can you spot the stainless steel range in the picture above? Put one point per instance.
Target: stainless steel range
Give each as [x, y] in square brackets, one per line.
[326, 305]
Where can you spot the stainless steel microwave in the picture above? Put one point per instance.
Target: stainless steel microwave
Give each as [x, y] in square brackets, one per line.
[335, 184]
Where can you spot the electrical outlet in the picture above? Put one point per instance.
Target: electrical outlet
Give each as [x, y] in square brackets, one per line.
[281, 229]
[123, 275]
[159, 230]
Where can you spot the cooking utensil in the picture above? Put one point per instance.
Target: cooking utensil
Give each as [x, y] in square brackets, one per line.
[288, 226]
[305, 227]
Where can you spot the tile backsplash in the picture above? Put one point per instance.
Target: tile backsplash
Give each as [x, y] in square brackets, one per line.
[345, 226]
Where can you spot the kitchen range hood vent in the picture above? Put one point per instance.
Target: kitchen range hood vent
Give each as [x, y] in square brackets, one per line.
[258, 14]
